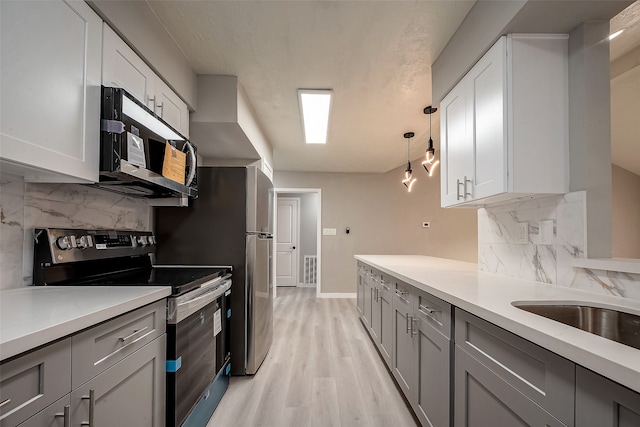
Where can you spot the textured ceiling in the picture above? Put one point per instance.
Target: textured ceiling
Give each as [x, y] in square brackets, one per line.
[375, 55]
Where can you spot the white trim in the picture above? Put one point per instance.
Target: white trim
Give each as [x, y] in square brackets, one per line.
[318, 191]
[337, 295]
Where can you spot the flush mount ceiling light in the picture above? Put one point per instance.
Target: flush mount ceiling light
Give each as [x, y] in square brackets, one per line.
[408, 178]
[430, 163]
[315, 105]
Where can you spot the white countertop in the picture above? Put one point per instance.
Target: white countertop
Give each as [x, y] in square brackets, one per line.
[489, 296]
[35, 315]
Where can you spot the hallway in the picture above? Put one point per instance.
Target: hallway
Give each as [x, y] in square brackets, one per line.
[322, 370]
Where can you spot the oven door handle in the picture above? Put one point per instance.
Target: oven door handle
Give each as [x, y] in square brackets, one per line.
[179, 311]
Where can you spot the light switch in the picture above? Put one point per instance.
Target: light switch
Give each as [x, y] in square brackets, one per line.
[328, 231]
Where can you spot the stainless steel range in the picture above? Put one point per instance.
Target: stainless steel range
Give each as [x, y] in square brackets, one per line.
[198, 311]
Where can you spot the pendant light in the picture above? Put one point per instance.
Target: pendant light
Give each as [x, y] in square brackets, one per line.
[430, 163]
[408, 178]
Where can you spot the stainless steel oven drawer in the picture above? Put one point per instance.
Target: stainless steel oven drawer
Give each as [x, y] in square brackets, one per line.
[102, 346]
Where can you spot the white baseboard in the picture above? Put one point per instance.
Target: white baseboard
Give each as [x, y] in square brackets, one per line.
[337, 295]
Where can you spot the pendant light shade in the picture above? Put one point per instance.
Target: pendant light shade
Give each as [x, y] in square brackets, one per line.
[408, 173]
[430, 163]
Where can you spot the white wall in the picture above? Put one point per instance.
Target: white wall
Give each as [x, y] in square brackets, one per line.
[626, 213]
[25, 206]
[384, 219]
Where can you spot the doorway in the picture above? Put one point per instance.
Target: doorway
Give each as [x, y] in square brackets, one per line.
[297, 238]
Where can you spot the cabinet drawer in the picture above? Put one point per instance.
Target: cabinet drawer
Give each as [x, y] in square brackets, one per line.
[102, 346]
[403, 296]
[542, 376]
[33, 381]
[434, 312]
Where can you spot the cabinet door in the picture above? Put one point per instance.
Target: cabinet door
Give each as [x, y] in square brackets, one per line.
[360, 290]
[52, 416]
[50, 72]
[488, 121]
[31, 382]
[482, 399]
[366, 310]
[123, 68]
[130, 393]
[455, 145]
[403, 354]
[171, 108]
[386, 310]
[433, 355]
[376, 308]
[601, 402]
[432, 403]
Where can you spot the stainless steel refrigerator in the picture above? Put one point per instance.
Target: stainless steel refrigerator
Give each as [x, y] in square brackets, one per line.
[229, 224]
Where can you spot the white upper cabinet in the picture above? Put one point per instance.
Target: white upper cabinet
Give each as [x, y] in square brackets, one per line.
[122, 67]
[504, 126]
[50, 67]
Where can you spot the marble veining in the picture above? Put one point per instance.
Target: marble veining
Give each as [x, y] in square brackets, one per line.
[26, 206]
[499, 253]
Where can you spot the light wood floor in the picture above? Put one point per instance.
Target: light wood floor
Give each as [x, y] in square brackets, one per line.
[322, 370]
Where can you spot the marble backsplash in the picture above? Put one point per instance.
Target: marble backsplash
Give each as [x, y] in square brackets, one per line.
[550, 262]
[25, 206]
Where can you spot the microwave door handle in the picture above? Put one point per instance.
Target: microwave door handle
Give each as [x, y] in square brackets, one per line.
[192, 158]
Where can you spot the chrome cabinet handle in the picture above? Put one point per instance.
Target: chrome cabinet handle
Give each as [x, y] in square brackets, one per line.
[385, 286]
[414, 321]
[427, 310]
[5, 402]
[152, 99]
[458, 195]
[66, 416]
[92, 404]
[407, 320]
[375, 293]
[132, 334]
[466, 193]
[161, 107]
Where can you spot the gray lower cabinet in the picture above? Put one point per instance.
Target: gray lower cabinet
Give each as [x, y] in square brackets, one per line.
[385, 305]
[403, 362]
[360, 288]
[502, 379]
[117, 376]
[601, 402]
[432, 320]
[375, 326]
[33, 381]
[127, 394]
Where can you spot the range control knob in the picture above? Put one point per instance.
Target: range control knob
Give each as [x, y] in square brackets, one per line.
[152, 240]
[84, 242]
[66, 242]
[142, 240]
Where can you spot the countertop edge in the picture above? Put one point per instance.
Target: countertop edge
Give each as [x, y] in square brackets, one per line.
[556, 337]
[64, 329]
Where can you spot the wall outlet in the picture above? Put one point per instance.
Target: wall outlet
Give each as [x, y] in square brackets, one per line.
[546, 232]
[426, 224]
[328, 231]
[523, 233]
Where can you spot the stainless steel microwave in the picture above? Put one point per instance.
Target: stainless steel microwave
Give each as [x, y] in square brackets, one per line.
[141, 155]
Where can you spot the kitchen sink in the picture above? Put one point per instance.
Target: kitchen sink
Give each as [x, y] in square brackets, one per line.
[608, 323]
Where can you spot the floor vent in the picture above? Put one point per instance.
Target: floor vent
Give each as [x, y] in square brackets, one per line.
[310, 269]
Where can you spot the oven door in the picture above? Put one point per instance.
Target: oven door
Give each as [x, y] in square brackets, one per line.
[194, 333]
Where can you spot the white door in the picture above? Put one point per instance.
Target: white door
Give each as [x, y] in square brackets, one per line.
[287, 242]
